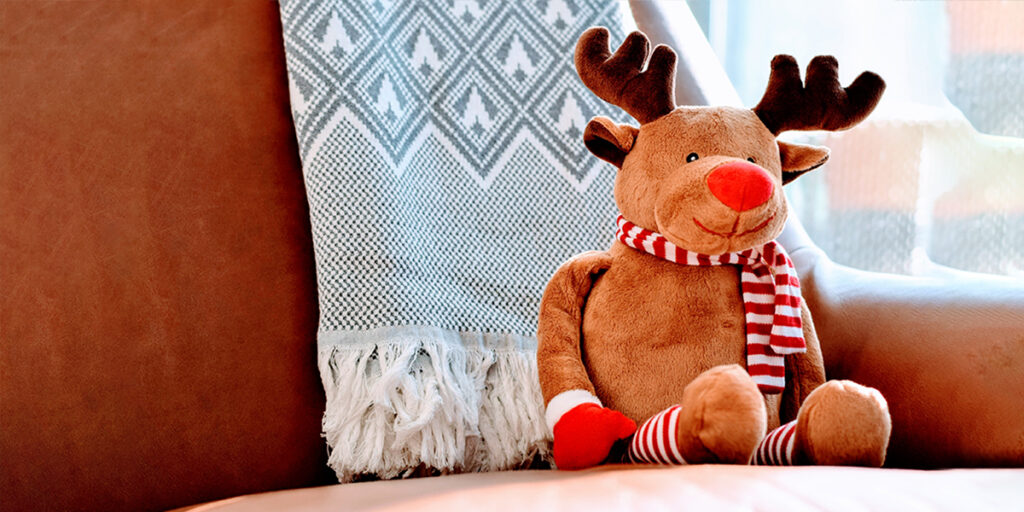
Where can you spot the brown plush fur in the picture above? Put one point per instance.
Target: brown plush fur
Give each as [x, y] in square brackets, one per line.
[561, 314]
[822, 104]
[609, 141]
[722, 418]
[798, 159]
[646, 94]
[843, 422]
[642, 333]
[652, 326]
[657, 189]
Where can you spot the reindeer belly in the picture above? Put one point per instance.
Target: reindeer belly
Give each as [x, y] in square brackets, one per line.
[652, 326]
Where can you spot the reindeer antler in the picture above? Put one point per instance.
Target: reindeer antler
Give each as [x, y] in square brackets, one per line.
[620, 79]
[820, 105]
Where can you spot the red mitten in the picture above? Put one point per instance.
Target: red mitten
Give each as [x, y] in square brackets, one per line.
[585, 434]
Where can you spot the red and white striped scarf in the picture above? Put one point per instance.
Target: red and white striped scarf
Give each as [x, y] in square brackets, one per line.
[772, 305]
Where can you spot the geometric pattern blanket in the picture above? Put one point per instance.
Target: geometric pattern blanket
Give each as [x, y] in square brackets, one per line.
[447, 179]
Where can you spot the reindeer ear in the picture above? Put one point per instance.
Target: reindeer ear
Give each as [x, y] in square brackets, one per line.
[609, 141]
[798, 159]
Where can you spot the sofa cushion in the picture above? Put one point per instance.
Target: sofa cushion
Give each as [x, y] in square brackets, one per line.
[158, 304]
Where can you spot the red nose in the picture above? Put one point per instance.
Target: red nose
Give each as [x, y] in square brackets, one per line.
[741, 185]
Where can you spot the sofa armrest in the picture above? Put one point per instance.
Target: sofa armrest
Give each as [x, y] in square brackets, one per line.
[948, 355]
[700, 78]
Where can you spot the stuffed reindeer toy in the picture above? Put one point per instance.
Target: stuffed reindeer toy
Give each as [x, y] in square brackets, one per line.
[691, 325]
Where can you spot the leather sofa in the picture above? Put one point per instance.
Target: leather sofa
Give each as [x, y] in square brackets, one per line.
[159, 304]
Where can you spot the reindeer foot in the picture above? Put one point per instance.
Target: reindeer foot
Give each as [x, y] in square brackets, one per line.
[843, 423]
[722, 418]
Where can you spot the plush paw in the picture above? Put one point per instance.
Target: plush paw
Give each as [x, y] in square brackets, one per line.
[585, 434]
[723, 417]
[843, 423]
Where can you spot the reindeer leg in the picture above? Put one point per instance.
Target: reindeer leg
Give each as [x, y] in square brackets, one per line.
[841, 423]
[721, 419]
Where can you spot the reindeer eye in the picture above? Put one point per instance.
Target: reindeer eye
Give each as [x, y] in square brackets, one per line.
[751, 159]
[691, 157]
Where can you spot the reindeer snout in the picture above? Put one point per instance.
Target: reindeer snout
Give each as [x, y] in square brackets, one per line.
[740, 185]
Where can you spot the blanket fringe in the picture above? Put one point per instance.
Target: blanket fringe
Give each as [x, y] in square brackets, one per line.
[394, 407]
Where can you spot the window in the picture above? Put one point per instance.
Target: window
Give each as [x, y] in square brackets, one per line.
[933, 182]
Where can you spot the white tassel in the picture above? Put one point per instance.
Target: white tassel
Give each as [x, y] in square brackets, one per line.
[450, 405]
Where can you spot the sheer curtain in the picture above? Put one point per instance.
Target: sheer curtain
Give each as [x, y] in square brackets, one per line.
[933, 182]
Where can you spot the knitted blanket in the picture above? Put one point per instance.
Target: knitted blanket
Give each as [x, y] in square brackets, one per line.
[447, 179]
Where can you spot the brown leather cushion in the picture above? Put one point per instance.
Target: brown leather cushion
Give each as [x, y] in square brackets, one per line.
[708, 487]
[158, 289]
[947, 354]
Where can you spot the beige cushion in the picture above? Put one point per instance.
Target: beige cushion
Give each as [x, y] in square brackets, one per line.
[707, 487]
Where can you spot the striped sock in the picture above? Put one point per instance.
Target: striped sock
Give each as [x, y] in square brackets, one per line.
[776, 449]
[655, 441]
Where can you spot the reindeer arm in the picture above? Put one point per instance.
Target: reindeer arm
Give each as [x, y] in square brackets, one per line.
[559, 358]
[584, 431]
[804, 372]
